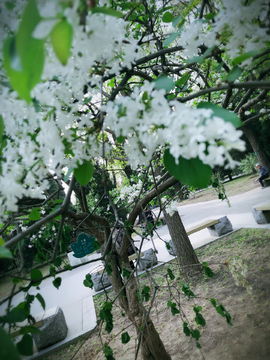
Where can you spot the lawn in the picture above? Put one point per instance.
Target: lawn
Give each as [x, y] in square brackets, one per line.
[241, 266]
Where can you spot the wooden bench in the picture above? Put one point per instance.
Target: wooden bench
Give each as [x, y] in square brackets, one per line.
[201, 226]
[261, 212]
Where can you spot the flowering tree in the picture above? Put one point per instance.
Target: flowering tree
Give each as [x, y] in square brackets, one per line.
[80, 80]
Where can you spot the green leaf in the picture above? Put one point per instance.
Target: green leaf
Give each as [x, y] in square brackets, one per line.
[208, 272]
[173, 307]
[234, 74]
[237, 60]
[169, 271]
[164, 82]
[5, 253]
[126, 273]
[180, 82]
[84, 172]
[9, 5]
[68, 267]
[58, 261]
[167, 17]
[209, 16]
[186, 329]
[107, 11]
[35, 215]
[25, 346]
[29, 298]
[7, 349]
[196, 334]
[200, 319]
[192, 172]
[41, 300]
[30, 51]
[125, 338]
[213, 302]
[223, 312]
[168, 246]
[57, 282]
[88, 281]
[108, 352]
[52, 271]
[194, 60]
[16, 281]
[108, 269]
[36, 274]
[226, 115]
[66, 177]
[146, 293]
[96, 245]
[198, 345]
[186, 290]
[61, 39]
[170, 39]
[29, 329]
[120, 139]
[176, 20]
[106, 315]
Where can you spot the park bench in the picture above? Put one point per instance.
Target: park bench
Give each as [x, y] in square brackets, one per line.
[216, 227]
[261, 212]
[53, 325]
[101, 279]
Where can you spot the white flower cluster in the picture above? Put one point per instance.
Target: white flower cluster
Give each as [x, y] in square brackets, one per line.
[147, 121]
[235, 25]
[130, 193]
[171, 207]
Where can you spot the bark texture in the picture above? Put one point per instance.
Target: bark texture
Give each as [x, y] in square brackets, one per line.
[185, 253]
[255, 143]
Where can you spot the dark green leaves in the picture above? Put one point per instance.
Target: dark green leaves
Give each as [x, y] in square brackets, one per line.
[192, 172]
[146, 293]
[83, 173]
[180, 82]
[199, 318]
[4, 252]
[186, 290]
[167, 17]
[61, 39]
[58, 261]
[87, 282]
[57, 282]
[24, 55]
[126, 273]
[7, 348]
[41, 300]
[106, 315]
[194, 333]
[52, 271]
[173, 307]
[234, 74]
[25, 346]
[108, 269]
[208, 272]
[34, 215]
[170, 273]
[107, 11]
[164, 82]
[222, 311]
[237, 60]
[125, 338]
[108, 352]
[226, 115]
[36, 275]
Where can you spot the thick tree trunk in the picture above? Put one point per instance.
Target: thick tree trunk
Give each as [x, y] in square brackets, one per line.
[255, 143]
[152, 347]
[185, 253]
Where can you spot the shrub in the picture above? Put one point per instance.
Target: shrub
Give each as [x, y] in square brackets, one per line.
[248, 164]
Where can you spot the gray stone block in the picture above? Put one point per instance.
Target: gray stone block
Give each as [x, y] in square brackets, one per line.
[54, 329]
[101, 281]
[221, 228]
[261, 217]
[148, 259]
[171, 251]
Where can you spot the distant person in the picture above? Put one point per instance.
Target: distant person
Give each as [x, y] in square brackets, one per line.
[264, 173]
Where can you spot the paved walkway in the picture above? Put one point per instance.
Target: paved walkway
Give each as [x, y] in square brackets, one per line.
[76, 300]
